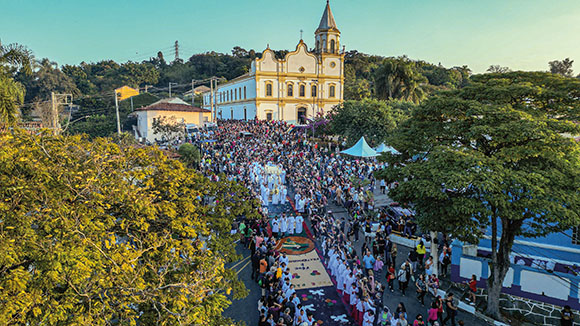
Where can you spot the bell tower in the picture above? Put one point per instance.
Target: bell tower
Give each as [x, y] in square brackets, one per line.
[327, 35]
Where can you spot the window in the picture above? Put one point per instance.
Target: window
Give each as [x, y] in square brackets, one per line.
[269, 116]
[244, 92]
[331, 91]
[290, 90]
[231, 95]
[236, 94]
[302, 91]
[245, 111]
[232, 113]
[313, 91]
[332, 46]
[576, 235]
[268, 89]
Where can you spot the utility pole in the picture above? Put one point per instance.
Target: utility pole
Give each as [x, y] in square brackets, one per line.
[56, 100]
[192, 94]
[170, 87]
[117, 110]
[211, 99]
[176, 50]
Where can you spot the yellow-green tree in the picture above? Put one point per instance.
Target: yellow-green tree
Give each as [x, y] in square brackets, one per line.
[96, 234]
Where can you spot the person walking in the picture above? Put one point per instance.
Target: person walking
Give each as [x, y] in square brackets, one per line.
[451, 310]
[432, 314]
[472, 288]
[391, 277]
[421, 289]
[421, 251]
[402, 278]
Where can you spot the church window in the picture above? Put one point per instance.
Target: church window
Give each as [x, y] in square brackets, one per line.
[244, 92]
[290, 90]
[235, 94]
[332, 46]
[302, 91]
[268, 89]
[331, 91]
[313, 91]
[269, 116]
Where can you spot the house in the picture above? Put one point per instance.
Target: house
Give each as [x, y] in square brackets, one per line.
[302, 85]
[174, 110]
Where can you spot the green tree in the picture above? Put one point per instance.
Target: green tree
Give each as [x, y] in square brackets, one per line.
[400, 79]
[494, 156]
[498, 69]
[13, 58]
[190, 155]
[563, 67]
[96, 234]
[370, 118]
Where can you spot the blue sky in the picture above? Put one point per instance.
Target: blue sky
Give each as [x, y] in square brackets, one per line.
[521, 34]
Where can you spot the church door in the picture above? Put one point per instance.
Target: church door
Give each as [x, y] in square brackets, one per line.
[301, 119]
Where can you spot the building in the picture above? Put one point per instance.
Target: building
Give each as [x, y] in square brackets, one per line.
[302, 85]
[544, 269]
[126, 92]
[196, 91]
[174, 110]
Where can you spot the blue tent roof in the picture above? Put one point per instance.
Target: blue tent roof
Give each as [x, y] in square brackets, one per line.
[386, 148]
[361, 149]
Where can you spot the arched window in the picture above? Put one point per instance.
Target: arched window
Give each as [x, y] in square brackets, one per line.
[244, 93]
[235, 94]
[317, 45]
[290, 90]
[331, 91]
[302, 91]
[268, 89]
[313, 89]
[332, 46]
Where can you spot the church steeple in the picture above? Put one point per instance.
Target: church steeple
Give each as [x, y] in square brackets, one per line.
[327, 34]
[327, 22]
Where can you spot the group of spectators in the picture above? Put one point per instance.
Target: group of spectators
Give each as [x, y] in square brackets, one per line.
[320, 176]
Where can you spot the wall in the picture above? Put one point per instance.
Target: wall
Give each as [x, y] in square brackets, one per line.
[523, 281]
[145, 120]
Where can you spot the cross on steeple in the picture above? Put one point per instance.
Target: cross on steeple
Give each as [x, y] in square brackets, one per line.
[301, 31]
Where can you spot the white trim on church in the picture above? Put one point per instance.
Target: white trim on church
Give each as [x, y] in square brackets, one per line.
[300, 86]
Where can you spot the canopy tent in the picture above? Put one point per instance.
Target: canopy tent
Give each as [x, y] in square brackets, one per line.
[382, 148]
[361, 149]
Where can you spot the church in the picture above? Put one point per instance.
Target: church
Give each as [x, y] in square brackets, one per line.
[302, 85]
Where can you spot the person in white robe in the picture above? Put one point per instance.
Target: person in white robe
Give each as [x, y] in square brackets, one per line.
[275, 226]
[283, 195]
[276, 196]
[291, 224]
[283, 225]
[299, 221]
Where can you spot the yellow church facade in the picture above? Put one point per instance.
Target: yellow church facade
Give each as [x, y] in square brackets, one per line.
[302, 85]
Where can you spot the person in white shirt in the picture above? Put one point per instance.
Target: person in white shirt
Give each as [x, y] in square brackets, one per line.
[299, 221]
[283, 225]
[291, 223]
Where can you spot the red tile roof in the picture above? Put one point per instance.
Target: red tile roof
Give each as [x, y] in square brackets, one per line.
[172, 107]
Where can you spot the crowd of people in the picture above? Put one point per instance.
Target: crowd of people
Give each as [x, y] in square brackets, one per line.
[274, 161]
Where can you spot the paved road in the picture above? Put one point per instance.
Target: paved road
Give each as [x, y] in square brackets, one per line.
[246, 309]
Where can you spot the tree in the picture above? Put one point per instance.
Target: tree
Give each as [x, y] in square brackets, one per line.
[493, 156]
[399, 79]
[370, 118]
[97, 234]
[563, 67]
[169, 128]
[498, 69]
[13, 58]
[190, 154]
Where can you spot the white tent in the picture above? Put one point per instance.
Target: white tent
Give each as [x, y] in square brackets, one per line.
[361, 149]
[382, 148]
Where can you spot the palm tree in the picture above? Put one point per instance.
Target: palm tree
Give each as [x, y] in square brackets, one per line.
[399, 79]
[13, 57]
